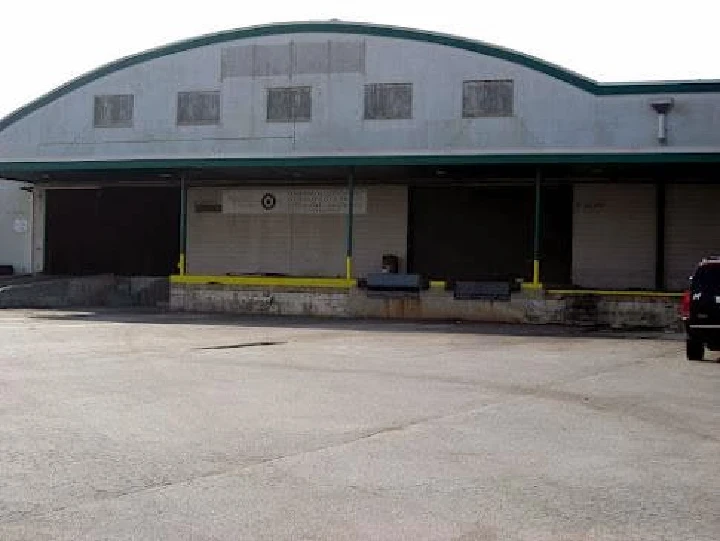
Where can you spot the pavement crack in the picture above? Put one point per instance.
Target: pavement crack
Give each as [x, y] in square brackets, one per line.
[165, 484]
[246, 345]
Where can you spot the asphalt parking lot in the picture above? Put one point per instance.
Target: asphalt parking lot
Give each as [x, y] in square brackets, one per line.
[150, 426]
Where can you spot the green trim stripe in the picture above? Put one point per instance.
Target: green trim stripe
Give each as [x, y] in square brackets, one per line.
[10, 169]
[562, 74]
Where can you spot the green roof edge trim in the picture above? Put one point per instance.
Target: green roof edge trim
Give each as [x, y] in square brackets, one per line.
[562, 74]
[11, 169]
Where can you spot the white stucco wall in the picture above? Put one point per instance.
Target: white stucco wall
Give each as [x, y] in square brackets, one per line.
[15, 226]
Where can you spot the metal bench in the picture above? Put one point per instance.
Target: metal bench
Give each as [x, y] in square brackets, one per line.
[391, 284]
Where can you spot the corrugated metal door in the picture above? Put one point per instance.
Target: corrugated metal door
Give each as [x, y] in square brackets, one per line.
[297, 244]
[126, 231]
[383, 230]
[220, 243]
[317, 246]
[614, 232]
[692, 229]
[472, 233]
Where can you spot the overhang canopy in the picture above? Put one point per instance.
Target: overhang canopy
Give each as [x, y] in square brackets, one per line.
[443, 169]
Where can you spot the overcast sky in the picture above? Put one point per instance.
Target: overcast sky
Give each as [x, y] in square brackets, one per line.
[47, 42]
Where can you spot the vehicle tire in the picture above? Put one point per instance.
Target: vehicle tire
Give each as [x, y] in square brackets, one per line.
[695, 349]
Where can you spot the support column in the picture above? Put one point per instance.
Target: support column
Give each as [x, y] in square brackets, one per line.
[37, 256]
[660, 235]
[537, 236]
[182, 263]
[350, 212]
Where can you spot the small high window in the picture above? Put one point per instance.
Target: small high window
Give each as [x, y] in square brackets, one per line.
[293, 104]
[487, 98]
[113, 111]
[198, 108]
[386, 101]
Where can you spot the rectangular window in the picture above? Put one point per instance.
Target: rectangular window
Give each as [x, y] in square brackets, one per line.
[292, 104]
[388, 101]
[198, 108]
[487, 98]
[114, 111]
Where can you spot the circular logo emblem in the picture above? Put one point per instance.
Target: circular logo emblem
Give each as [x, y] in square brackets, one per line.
[268, 201]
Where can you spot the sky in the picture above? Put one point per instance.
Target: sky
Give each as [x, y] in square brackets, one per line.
[45, 43]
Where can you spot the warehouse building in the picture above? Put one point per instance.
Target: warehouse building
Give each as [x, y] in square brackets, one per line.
[276, 168]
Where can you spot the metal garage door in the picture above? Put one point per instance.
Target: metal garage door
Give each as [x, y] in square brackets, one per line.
[486, 232]
[125, 231]
[288, 238]
[692, 229]
[614, 236]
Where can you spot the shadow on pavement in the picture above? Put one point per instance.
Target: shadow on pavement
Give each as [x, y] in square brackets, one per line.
[162, 317]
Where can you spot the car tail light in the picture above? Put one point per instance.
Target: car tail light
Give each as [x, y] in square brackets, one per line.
[685, 305]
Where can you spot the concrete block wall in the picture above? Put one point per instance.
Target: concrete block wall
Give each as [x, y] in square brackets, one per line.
[268, 301]
[435, 304]
[622, 311]
[58, 293]
[84, 291]
[576, 310]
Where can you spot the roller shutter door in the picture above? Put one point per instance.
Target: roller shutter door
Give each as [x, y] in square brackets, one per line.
[223, 243]
[486, 232]
[383, 230]
[125, 231]
[468, 233]
[692, 229]
[614, 236]
[293, 244]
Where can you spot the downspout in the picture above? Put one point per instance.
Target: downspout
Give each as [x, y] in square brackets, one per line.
[662, 108]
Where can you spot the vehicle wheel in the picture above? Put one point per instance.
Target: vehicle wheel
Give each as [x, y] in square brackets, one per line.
[695, 349]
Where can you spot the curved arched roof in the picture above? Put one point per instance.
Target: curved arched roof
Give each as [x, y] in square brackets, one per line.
[552, 70]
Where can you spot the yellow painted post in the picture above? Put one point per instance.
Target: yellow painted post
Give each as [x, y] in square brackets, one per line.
[350, 211]
[182, 267]
[537, 234]
[536, 273]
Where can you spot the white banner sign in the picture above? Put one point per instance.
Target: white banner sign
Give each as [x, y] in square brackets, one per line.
[292, 201]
